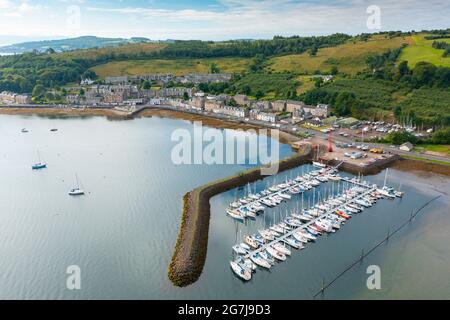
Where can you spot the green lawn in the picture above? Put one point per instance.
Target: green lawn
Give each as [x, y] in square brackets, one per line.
[349, 57]
[421, 50]
[176, 66]
[441, 148]
[426, 160]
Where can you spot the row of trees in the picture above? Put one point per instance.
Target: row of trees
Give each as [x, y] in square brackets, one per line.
[441, 45]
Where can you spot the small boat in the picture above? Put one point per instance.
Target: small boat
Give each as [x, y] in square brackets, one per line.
[398, 194]
[281, 248]
[239, 250]
[294, 243]
[53, 130]
[342, 214]
[249, 265]
[266, 235]
[241, 271]
[39, 165]
[245, 246]
[235, 204]
[260, 261]
[276, 254]
[319, 164]
[267, 256]
[236, 215]
[251, 242]
[300, 237]
[285, 196]
[76, 191]
[24, 130]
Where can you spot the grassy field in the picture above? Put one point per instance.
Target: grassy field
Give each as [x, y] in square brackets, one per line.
[93, 53]
[422, 50]
[177, 67]
[306, 84]
[426, 160]
[442, 148]
[349, 58]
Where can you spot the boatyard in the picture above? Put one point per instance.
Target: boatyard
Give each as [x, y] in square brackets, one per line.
[297, 229]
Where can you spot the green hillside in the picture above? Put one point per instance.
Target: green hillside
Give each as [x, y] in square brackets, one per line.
[420, 49]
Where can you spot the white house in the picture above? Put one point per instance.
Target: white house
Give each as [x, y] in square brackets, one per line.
[406, 146]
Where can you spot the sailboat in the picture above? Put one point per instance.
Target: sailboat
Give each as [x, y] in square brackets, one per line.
[76, 191]
[39, 165]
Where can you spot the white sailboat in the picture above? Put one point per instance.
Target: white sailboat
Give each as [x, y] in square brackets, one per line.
[77, 191]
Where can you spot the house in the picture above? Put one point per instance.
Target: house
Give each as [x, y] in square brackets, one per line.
[22, 99]
[198, 102]
[321, 110]
[86, 82]
[261, 105]
[73, 99]
[292, 105]
[116, 80]
[263, 116]
[7, 97]
[204, 78]
[212, 103]
[242, 100]
[232, 111]
[279, 105]
[406, 147]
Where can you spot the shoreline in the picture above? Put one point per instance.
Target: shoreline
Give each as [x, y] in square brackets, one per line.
[209, 121]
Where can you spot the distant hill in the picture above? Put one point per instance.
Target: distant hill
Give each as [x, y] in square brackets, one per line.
[61, 45]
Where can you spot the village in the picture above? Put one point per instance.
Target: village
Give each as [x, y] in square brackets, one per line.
[353, 140]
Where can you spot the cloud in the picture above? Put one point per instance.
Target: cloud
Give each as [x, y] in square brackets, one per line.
[225, 19]
[18, 8]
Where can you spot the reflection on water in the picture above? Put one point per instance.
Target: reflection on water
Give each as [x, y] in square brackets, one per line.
[122, 232]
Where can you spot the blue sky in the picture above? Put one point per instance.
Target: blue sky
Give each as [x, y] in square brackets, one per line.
[210, 19]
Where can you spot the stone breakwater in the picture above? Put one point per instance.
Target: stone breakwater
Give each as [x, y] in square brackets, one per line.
[191, 247]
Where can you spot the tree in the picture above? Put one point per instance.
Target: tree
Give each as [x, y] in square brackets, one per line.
[423, 73]
[345, 101]
[397, 112]
[38, 91]
[259, 94]
[403, 68]
[441, 136]
[313, 51]
[82, 92]
[318, 82]
[247, 90]
[214, 68]
[334, 70]
[146, 85]
[185, 96]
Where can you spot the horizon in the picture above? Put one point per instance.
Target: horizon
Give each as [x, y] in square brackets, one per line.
[212, 20]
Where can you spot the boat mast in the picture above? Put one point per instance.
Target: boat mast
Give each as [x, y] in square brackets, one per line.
[385, 177]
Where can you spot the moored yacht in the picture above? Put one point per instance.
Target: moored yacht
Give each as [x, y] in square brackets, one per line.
[241, 271]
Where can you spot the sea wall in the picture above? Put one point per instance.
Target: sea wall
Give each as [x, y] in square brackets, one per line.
[191, 247]
[366, 170]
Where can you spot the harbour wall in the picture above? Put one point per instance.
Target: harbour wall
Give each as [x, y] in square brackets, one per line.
[191, 247]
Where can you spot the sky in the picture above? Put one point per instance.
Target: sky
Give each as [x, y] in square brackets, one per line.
[23, 20]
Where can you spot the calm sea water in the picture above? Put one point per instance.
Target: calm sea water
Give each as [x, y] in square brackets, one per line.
[122, 233]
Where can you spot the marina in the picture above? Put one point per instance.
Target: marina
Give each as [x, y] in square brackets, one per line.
[296, 230]
[254, 203]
